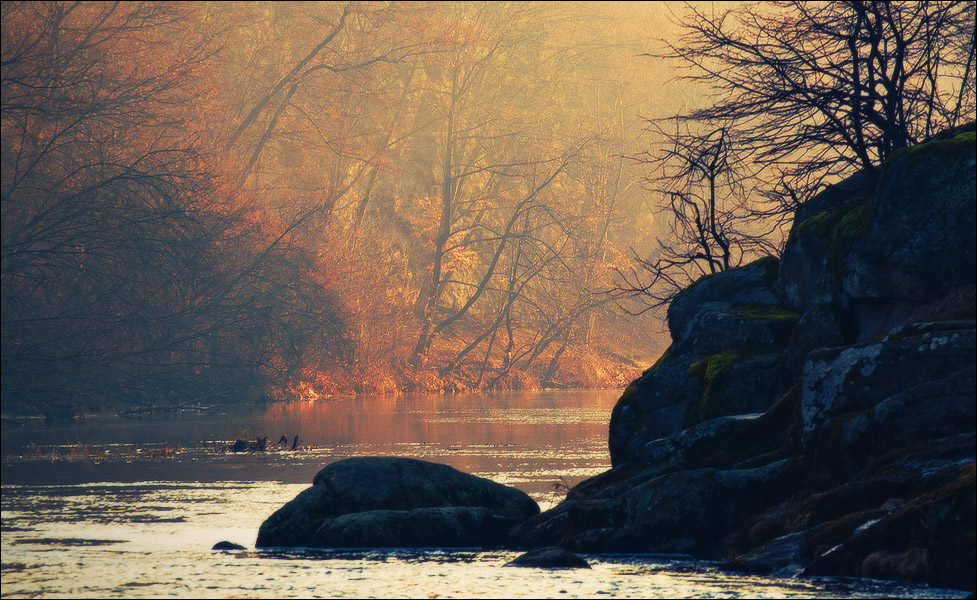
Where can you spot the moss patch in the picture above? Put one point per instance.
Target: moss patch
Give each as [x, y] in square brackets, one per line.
[820, 224]
[969, 313]
[708, 370]
[851, 227]
[660, 361]
[627, 397]
[937, 147]
[781, 321]
[710, 367]
[765, 312]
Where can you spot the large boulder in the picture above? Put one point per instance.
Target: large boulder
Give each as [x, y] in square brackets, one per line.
[839, 381]
[918, 243]
[397, 502]
[749, 284]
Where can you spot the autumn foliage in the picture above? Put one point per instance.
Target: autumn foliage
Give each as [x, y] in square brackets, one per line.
[215, 201]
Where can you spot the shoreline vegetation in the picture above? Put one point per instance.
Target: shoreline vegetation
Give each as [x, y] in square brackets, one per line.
[581, 371]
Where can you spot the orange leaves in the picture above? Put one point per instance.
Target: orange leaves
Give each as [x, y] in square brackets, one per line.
[308, 385]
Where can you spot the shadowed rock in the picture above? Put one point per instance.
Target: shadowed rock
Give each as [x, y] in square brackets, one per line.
[397, 502]
[225, 545]
[552, 557]
[828, 430]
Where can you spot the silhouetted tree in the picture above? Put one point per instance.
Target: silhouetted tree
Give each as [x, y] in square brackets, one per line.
[700, 178]
[817, 89]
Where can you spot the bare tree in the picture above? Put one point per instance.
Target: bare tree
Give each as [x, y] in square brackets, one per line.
[819, 89]
[802, 92]
[700, 178]
[130, 274]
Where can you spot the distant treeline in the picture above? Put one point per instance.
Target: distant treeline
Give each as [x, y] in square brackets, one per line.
[219, 201]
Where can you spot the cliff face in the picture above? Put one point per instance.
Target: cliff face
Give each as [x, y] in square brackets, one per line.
[816, 414]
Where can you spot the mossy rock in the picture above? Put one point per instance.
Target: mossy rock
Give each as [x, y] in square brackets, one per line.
[840, 228]
[918, 242]
[851, 226]
[940, 146]
[734, 441]
[845, 380]
[924, 411]
[653, 405]
[745, 379]
[752, 283]
[719, 326]
[940, 522]
[852, 191]
[687, 511]
[781, 320]
[823, 324]
[813, 261]
[768, 264]
[774, 431]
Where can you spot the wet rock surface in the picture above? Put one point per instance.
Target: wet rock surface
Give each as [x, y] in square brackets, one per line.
[228, 546]
[397, 502]
[814, 416]
[552, 557]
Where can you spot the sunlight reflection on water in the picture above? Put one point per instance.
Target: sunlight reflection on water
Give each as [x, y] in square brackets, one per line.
[84, 515]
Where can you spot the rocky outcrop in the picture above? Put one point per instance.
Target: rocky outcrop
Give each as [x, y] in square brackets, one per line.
[814, 415]
[397, 502]
[727, 336]
[911, 245]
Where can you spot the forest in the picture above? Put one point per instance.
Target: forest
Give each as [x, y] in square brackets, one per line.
[219, 201]
[225, 201]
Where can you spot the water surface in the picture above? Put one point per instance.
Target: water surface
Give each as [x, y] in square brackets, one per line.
[131, 507]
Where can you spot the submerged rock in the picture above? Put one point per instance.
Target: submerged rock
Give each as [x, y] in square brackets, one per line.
[397, 502]
[225, 545]
[552, 557]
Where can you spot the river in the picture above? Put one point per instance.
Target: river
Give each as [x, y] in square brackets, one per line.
[117, 507]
